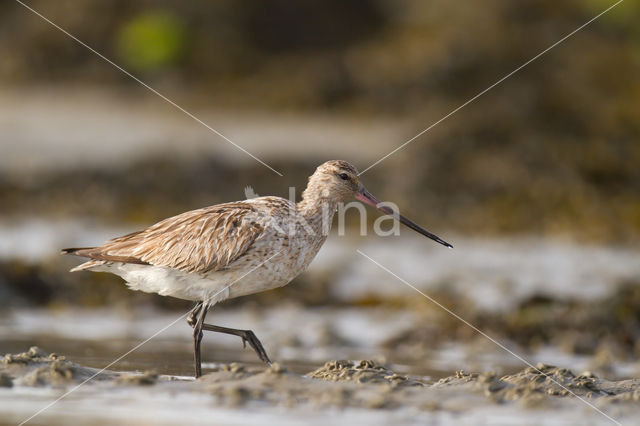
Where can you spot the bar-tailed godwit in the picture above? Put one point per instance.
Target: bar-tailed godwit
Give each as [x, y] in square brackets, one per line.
[233, 249]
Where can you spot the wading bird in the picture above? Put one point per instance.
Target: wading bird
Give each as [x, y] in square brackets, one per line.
[233, 249]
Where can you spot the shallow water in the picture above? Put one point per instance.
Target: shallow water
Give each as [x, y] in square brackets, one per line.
[124, 128]
[96, 338]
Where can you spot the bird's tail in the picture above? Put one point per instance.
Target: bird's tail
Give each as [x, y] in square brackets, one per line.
[80, 251]
[83, 252]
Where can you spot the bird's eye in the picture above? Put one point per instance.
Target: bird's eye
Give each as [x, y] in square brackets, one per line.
[344, 176]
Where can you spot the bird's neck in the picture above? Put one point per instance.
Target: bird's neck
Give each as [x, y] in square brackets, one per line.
[316, 209]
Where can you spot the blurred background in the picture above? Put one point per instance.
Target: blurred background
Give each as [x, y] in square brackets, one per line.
[536, 183]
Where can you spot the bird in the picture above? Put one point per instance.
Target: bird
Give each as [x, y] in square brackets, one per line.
[233, 249]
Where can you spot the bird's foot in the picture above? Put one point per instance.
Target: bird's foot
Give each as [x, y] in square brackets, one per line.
[249, 337]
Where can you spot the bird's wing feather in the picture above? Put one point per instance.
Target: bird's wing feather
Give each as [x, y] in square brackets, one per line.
[200, 240]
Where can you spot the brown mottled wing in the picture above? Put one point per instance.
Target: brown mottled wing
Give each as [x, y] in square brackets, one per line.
[196, 241]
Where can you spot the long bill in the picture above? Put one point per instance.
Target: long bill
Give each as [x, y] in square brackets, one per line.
[366, 197]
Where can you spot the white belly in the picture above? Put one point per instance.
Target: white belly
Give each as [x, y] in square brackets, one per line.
[246, 276]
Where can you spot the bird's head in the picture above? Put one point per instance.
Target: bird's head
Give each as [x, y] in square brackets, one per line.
[335, 179]
[338, 181]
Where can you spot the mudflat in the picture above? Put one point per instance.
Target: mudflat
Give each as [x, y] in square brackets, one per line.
[361, 391]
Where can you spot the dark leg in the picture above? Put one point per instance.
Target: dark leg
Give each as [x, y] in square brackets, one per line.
[197, 334]
[193, 315]
[247, 336]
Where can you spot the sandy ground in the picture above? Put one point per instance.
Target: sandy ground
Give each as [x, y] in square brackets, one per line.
[355, 392]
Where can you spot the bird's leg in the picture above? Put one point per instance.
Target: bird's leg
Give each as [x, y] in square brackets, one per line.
[247, 336]
[197, 336]
[193, 315]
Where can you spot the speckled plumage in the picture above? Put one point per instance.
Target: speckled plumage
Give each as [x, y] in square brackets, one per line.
[228, 250]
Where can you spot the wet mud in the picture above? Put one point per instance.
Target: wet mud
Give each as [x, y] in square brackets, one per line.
[37, 368]
[343, 386]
